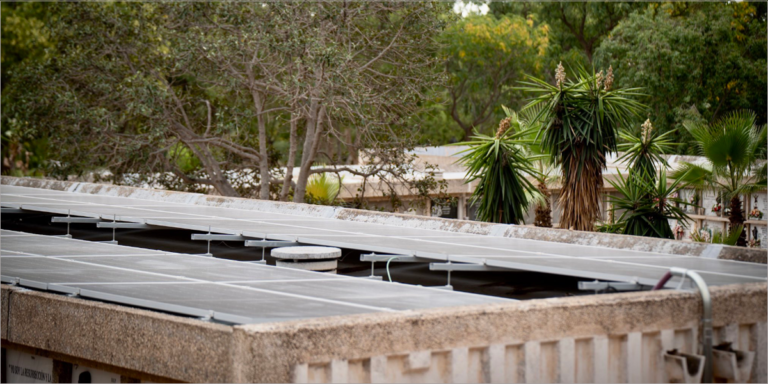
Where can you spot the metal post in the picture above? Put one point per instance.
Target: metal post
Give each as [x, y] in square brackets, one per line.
[706, 318]
[209, 243]
[372, 266]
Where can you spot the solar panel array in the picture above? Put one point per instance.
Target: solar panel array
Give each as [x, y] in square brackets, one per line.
[193, 285]
[511, 253]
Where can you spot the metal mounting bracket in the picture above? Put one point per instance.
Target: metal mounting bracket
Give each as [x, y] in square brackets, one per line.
[608, 285]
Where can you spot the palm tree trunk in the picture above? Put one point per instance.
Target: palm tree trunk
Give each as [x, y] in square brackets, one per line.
[580, 196]
[737, 218]
[543, 212]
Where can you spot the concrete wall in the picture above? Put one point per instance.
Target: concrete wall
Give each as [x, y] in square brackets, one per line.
[525, 232]
[608, 338]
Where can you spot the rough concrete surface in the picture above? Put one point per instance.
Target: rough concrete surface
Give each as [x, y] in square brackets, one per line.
[269, 351]
[744, 254]
[4, 299]
[135, 339]
[197, 351]
[464, 226]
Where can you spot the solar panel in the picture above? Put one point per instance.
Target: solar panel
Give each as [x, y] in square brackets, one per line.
[195, 285]
[511, 253]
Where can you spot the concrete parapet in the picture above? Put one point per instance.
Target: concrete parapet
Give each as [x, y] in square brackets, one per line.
[611, 338]
[608, 338]
[464, 226]
[150, 343]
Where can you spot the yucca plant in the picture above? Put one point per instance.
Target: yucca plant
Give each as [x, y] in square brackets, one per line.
[323, 189]
[579, 123]
[647, 206]
[643, 155]
[500, 163]
[735, 149]
[643, 150]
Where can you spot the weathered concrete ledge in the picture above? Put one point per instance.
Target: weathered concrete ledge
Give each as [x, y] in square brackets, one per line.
[531, 233]
[193, 350]
[137, 340]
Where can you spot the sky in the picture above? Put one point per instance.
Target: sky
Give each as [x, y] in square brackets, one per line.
[465, 9]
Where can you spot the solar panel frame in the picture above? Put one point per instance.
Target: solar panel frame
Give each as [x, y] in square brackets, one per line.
[142, 282]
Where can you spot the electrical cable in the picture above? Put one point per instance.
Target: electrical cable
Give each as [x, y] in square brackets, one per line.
[388, 275]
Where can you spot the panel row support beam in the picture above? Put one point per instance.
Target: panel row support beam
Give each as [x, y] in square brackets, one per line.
[464, 267]
[69, 220]
[608, 286]
[271, 243]
[218, 237]
[76, 220]
[372, 258]
[115, 225]
[100, 223]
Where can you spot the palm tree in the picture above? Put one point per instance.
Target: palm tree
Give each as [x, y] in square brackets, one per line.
[501, 165]
[734, 147]
[646, 205]
[580, 119]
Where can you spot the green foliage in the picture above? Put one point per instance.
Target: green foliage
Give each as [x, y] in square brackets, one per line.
[579, 28]
[184, 158]
[322, 188]
[731, 238]
[484, 56]
[25, 36]
[131, 86]
[646, 206]
[579, 123]
[581, 119]
[734, 147]
[645, 148]
[504, 194]
[691, 59]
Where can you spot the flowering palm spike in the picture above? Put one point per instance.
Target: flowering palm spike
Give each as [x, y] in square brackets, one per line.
[560, 75]
[503, 126]
[599, 79]
[609, 78]
[647, 131]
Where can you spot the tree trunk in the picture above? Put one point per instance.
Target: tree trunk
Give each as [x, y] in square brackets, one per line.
[543, 212]
[311, 144]
[215, 174]
[211, 166]
[264, 162]
[580, 196]
[293, 141]
[737, 218]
